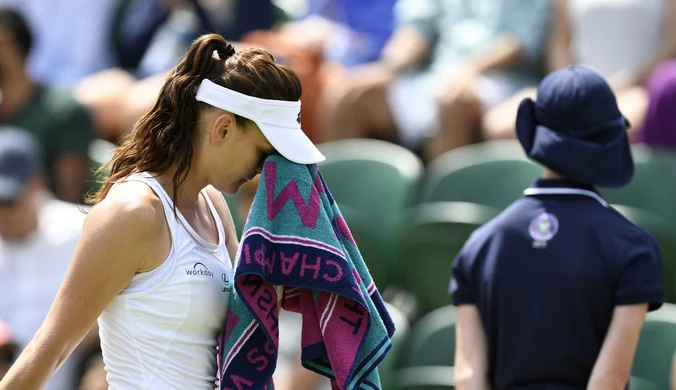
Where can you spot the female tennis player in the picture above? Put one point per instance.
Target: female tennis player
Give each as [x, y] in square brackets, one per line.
[154, 260]
[553, 292]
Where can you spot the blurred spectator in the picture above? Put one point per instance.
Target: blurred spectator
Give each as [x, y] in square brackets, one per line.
[62, 126]
[622, 40]
[659, 126]
[446, 63]
[38, 235]
[72, 38]
[149, 37]
[322, 44]
[350, 32]
[8, 349]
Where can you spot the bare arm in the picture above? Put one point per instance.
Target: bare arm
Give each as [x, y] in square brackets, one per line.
[119, 237]
[558, 52]
[613, 366]
[504, 52]
[70, 175]
[667, 50]
[471, 353]
[406, 49]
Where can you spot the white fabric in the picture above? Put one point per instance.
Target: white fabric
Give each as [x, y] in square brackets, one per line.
[160, 333]
[565, 191]
[412, 99]
[613, 36]
[278, 120]
[31, 273]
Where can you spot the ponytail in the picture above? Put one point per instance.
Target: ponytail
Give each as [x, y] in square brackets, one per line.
[164, 137]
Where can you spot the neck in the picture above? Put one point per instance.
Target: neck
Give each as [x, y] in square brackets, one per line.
[16, 91]
[188, 191]
[551, 175]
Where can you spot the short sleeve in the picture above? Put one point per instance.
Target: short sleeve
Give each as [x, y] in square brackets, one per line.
[460, 288]
[641, 279]
[76, 130]
[421, 14]
[528, 21]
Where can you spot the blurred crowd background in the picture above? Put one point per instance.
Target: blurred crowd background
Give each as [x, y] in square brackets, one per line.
[412, 101]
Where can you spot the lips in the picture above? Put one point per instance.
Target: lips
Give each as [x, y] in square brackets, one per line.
[249, 177]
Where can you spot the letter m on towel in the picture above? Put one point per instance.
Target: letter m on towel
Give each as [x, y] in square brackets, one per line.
[308, 213]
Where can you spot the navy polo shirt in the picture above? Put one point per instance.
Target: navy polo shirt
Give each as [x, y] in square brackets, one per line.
[546, 275]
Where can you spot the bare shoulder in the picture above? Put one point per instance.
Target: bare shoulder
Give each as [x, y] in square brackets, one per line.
[131, 207]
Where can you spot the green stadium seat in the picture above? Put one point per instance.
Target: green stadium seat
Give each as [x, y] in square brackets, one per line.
[432, 341]
[428, 243]
[653, 186]
[376, 179]
[656, 347]
[367, 242]
[401, 334]
[636, 383]
[666, 237]
[425, 378]
[491, 173]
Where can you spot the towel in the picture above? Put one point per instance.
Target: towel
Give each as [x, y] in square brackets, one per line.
[296, 242]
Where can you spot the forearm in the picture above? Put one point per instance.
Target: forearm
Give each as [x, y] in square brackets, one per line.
[406, 49]
[600, 382]
[504, 52]
[476, 382]
[33, 369]
[613, 365]
[558, 58]
[471, 353]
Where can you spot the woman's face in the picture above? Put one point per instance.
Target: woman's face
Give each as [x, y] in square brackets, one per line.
[234, 155]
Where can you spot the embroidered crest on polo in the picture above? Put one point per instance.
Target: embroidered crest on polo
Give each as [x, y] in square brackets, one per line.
[542, 229]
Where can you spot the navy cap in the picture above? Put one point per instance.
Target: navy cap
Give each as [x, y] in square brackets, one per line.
[19, 162]
[576, 129]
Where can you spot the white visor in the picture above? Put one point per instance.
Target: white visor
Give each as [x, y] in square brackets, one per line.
[277, 119]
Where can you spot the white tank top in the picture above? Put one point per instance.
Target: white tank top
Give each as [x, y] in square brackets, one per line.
[160, 332]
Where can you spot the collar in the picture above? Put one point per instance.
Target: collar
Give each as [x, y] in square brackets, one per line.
[564, 187]
[561, 183]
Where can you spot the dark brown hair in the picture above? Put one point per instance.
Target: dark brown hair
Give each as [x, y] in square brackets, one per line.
[16, 26]
[164, 137]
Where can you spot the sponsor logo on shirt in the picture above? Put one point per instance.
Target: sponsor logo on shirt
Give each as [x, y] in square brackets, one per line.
[542, 229]
[226, 283]
[199, 269]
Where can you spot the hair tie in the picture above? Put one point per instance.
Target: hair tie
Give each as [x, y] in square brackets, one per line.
[226, 51]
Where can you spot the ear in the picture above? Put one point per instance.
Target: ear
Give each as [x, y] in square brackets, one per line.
[222, 127]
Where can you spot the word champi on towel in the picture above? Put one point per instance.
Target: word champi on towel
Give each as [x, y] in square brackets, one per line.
[296, 239]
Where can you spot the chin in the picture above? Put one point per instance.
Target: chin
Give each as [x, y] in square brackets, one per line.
[231, 189]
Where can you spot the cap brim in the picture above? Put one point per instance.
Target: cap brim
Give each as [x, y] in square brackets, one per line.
[526, 124]
[10, 189]
[292, 143]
